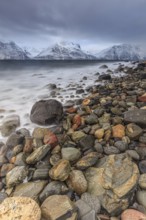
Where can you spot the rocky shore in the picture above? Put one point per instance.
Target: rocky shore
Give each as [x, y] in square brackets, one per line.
[90, 165]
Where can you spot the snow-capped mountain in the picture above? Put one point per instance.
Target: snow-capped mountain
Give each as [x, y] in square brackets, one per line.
[31, 51]
[11, 51]
[64, 51]
[122, 52]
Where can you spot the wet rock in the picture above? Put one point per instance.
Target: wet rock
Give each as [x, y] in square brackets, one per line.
[30, 189]
[113, 180]
[28, 147]
[121, 145]
[99, 133]
[46, 112]
[118, 131]
[22, 208]
[77, 181]
[39, 133]
[141, 197]
[91, 119]
[16, 176]
[65, 208]
[17, 149]
[131, 214]
[24, 132]
[14, 140]
[53, 188]
[111, 150]
[92, 201]
[3, 196]
[137, 116]
[60, 171]
[83, 208]
[133, 131]
[79, 91]
[38, 154]
[5, 169]
[103, 66]
[54, 159]
[78, 135]
[87, 161]
[19, 159]
[70, 153]
[133, 154]
[142, 181]
[105, 77]
[9, 125]
[41, 174]
[142, 166]
[87, 142]
[50, 139]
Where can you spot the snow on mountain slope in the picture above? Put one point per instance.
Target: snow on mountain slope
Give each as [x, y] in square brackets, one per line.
[64, 51]
[11, 51]
[31, 51]
[122, 52]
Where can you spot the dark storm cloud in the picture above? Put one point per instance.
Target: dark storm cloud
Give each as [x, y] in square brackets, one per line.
[108, 20]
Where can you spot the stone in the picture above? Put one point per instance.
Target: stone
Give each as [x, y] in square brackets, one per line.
[133, 131]
[3, 196]
[46, 112]
[91, 119]
[90, 215]
[142, 166]
[51, 139]
[142, 98]
[19, 159]
[92, 201]
[16, 176]
[98, 147]
[60, 171]
[6, 168]
[141, 197]
[83, 207]
[30, 189]
[38, 154]
[87, 161]
[53, 188]
[77, 182]
[142, 139]
[14, 140]
[22, 208]
[28, 147]
[70, 153]
[99, 133]
[9, 125]
[63, 208]
[131, 214]
[137, 116]
[105, 77]
[87, 142]
[118, 131]
[103, 66]
[133, 154]
[114, 180]
[39, 133]
[142, 181]
[111, 150]
[40, 174]
[121, 145]
[77, 135]
[54, 159]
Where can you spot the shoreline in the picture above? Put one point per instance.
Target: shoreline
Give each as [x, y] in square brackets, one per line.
[94, 158]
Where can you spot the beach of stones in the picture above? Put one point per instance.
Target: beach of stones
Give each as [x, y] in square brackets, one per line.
[91, 164]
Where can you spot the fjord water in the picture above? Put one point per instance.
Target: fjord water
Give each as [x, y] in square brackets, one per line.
[22, 83]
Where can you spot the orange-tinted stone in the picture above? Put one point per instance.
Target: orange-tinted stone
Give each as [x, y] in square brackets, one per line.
[118, 131]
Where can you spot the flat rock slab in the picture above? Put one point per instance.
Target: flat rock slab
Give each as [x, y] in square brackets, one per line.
[21, 208]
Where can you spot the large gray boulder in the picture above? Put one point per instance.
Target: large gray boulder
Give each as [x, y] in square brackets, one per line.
[45, 112]
[137, 116]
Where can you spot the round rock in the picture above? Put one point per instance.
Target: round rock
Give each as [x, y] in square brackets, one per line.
[46, 112]
[131, 214]
[70, 153]
[22, 208]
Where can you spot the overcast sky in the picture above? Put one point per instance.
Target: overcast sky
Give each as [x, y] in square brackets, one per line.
[95, 24]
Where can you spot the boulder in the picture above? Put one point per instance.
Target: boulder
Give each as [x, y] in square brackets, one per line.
[58, 207]
[22, 208]
[137, 116]
[45, 112]
[9, 125]
[114, 181]
[105, 77]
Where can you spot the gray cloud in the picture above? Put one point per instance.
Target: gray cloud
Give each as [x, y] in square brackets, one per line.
[88, 20]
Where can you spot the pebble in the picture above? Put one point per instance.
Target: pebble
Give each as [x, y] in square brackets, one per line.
[70, 153]
[131, 214]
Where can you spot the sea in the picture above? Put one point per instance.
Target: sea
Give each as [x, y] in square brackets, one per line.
[22, 83]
